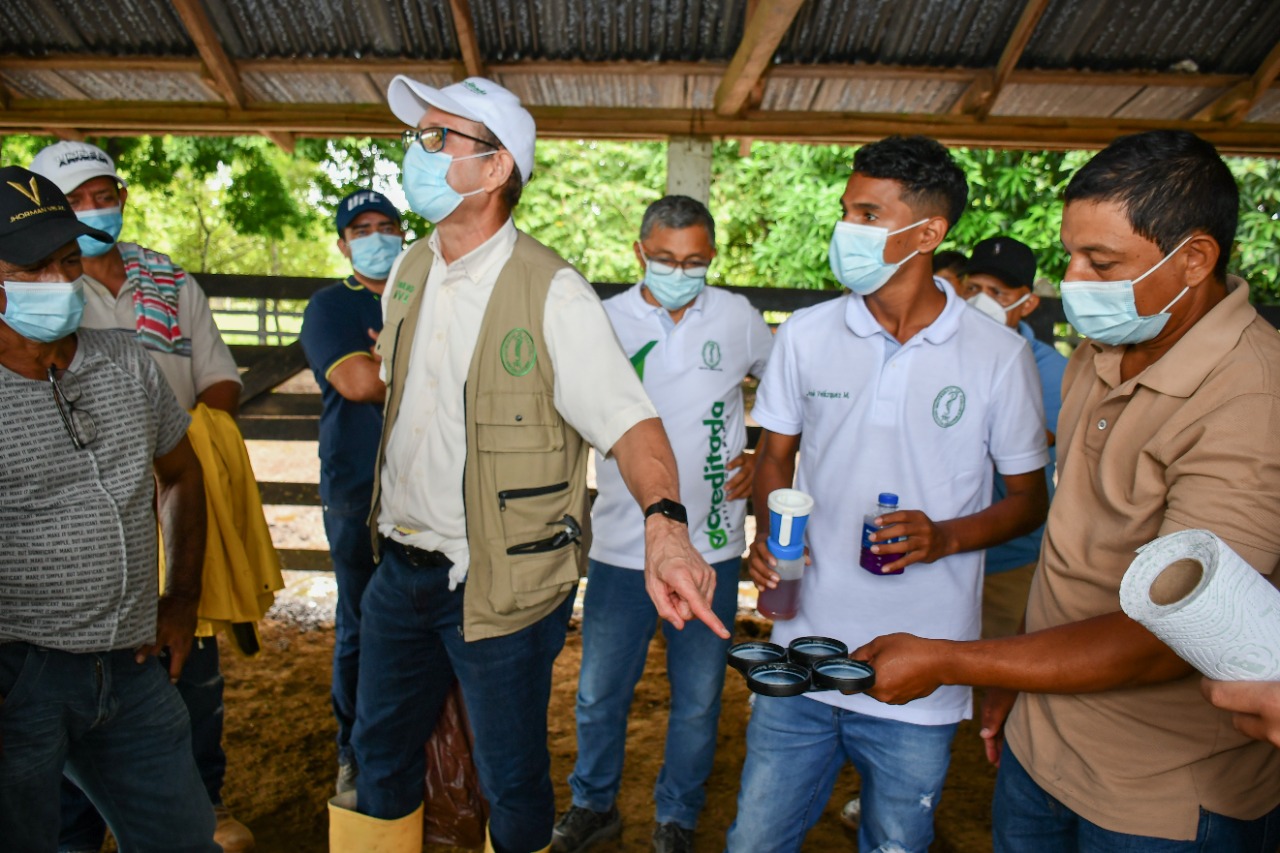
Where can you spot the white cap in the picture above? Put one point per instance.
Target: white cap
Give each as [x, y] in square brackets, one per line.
[476, 99]
[70, 164]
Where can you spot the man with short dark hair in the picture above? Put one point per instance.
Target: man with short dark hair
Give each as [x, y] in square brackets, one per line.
[1002, 272]
[897, 387]
[1169, 415]
[93, 444]
[691, 346]
[339, 328]
[501, 369]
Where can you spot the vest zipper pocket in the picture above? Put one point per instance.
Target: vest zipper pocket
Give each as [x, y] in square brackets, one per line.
[533, 492]
[572, 533]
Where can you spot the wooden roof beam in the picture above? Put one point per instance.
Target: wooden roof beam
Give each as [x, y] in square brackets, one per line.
[283, 139]
[1232, 107]
[226, 80]
[979, 98]
[765, 27]
[123, 118]
[468, 44]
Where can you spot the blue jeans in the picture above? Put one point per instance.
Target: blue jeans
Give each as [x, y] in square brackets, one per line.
[352, 554]
[412, 649]
[117, 729]
[617, 624]
[795, 748]
[1025, 817]
[200, 687]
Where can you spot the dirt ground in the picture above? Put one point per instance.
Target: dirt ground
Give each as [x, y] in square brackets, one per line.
[279, 741]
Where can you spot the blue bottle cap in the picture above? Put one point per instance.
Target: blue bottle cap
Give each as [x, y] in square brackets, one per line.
[888, 499]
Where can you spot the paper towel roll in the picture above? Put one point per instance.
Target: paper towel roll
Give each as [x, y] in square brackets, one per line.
[1226, 623]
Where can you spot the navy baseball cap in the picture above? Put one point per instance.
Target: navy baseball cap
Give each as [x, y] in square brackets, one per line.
[35, 218]
[363, 201]
[1007, 259]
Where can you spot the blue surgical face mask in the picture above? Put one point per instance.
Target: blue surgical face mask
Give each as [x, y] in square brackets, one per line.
[426, 186]
[373, 254]
[857, 256]
[109, 219]
[1107, 312]
[672, 286]
[44, 311]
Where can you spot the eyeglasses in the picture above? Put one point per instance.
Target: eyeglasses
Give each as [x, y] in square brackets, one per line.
[693, 268]
[432, 139]
[78, 423]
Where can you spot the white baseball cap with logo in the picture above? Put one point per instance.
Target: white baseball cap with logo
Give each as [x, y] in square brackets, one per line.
[476, 99]
[70, 164]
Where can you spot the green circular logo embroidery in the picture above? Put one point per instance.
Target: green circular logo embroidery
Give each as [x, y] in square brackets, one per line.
[711, 355]
[948, 406]
[518, 352]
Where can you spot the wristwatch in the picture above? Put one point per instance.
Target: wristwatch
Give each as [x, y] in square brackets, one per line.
[671, 509]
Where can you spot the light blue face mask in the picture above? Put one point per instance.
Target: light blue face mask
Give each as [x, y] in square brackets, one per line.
[857, 256]
[108, 219]
[373, 254]
[673, 286]
[426, 186]
[44, 311]
[1106, 311]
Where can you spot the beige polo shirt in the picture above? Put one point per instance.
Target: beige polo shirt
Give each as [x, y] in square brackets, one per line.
[1191, 442]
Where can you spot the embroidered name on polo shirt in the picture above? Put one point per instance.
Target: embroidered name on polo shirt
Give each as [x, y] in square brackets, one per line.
[948, 406]
[830, 395]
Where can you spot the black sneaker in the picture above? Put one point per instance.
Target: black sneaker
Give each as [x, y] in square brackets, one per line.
[672, 838]
[579, 829]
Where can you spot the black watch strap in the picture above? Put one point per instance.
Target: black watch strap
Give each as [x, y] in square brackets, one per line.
[671, 509]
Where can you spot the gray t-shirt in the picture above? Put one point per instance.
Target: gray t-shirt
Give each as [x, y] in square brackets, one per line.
[78, 568]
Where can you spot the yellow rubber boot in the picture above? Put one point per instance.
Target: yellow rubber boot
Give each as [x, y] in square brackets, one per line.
[352, 832]
[488, 844]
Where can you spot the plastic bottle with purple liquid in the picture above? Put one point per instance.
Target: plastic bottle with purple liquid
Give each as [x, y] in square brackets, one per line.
[788, 513]
[872, 562]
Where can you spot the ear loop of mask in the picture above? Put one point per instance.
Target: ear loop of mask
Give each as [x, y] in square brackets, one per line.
[1162, 262]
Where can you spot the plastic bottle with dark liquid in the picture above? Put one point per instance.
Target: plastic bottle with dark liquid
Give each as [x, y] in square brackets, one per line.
[872, 562]
[788, 514]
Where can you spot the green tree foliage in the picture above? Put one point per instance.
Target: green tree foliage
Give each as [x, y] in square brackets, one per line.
[241, 205]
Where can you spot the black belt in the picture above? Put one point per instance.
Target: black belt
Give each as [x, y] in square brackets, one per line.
[418, 557]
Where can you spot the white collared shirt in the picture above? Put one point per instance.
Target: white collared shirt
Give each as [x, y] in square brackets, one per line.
[924, 420]
[596, 390]
[693, 372]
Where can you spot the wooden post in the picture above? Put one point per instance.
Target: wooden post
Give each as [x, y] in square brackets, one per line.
[689, 167]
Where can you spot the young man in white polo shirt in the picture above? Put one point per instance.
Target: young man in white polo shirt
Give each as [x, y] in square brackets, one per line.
[898, 387]
[691, 348]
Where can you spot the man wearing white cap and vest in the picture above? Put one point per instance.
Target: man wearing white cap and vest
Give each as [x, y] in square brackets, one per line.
[141, 292]
[501, 370]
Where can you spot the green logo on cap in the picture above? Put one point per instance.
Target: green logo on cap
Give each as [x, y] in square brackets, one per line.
[518, 352]
[473, 87]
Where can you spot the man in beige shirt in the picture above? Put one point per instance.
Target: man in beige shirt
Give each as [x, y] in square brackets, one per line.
[1169, 419]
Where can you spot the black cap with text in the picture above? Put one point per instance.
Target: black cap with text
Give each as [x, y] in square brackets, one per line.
[35, 218]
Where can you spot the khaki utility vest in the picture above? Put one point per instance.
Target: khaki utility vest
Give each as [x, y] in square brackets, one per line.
[525, 476]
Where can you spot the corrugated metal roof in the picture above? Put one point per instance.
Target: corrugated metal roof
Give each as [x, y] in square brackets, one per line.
[608, 30]
[938, 33]
[422, 29]
[116, 28]
[655, 91]
[1124, 35]
[1048, 101]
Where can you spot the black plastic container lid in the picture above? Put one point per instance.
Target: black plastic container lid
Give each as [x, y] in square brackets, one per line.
[778, 679]
[743, 656]
[807, 651]
[847, 676]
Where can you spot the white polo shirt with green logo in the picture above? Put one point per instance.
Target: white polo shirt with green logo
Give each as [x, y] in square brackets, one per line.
[693, 372]
[925, 420]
